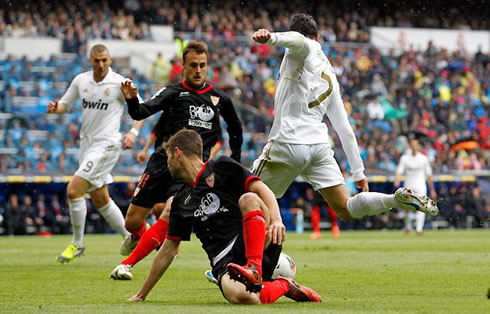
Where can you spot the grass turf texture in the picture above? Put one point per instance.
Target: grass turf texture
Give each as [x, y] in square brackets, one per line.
[362, 272]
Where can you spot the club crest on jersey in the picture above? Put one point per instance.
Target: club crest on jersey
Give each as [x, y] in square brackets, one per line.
[215, 100]
[107, 92]
[210, 180]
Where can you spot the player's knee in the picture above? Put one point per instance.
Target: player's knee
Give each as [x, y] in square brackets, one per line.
[72, 192]
[249, 201]
[158, 209]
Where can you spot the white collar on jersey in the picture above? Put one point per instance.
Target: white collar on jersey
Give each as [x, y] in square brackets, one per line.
[108, 78]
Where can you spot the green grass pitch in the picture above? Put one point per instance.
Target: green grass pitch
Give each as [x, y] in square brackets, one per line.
[362, 272]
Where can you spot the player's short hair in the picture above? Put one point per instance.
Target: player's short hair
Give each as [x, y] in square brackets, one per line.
[196, 46]
[304, 24]
[98, 49]
[188, 141]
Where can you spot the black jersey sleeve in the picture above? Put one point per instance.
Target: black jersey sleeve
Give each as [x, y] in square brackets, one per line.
[180, 225]
[139, 111]
[233, 126]
[237, 176]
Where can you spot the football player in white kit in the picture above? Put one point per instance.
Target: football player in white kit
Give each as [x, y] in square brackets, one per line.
[416, 168]
[298, 144]
[100, 145]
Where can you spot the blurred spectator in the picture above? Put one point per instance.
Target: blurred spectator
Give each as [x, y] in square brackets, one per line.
[15, 217]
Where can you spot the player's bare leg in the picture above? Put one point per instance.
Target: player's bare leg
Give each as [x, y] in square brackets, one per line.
[236, 292]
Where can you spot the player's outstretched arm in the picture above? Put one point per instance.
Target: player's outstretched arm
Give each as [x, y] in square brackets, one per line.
[141, 156]
[234, 128]
[129, 90]
[215, 149]
[276, 231]
[129, 138]
[338, 117]
[56, 107]
[162, 261]
[139, 110]
[295, 41]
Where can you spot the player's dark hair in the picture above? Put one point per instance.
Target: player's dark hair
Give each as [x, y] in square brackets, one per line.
[98, 49]
[304, 24]
[188, 141]
[197, 46]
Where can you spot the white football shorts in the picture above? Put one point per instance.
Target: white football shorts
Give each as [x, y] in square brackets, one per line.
[97, 159]
[280, 164]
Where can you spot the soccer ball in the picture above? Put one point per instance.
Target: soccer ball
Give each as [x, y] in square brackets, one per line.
[285, 267]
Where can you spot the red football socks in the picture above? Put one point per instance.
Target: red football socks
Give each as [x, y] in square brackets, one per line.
[332, 215]
[138, 232]
[271, 291]
[315, 218]
[150, 240]
[254, 237]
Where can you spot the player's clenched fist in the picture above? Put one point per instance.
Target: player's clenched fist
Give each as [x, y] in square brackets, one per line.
[129, 90]
[261, 36]
[52, 106]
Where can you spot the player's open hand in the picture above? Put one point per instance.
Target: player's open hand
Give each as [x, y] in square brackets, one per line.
[52, 106]
[362, 185]
[261, 36]
[141, 156]
[276, 232]
[136, 298]
[128, 140]
[129, 90]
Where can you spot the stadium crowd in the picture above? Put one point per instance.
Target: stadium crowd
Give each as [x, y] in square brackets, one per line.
[440, 96]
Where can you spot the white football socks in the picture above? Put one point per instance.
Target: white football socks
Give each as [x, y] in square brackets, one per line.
[112, 214]
[78, 212]
[369, 204]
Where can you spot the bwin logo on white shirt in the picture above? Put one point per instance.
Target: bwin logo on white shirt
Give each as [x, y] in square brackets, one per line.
[94, 104]
[203, 112]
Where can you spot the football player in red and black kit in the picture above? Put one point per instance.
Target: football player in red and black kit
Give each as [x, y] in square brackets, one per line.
[192, 104]
[229, 209]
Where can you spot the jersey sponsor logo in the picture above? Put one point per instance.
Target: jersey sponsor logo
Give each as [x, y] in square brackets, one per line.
[201, 124]
[94, 104]
[215, 100]
[210, 204]
[203, 112]
[182, 94]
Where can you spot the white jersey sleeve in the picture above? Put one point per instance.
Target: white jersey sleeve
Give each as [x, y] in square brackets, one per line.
[295, 41]
[71, 95]
[338, 117]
